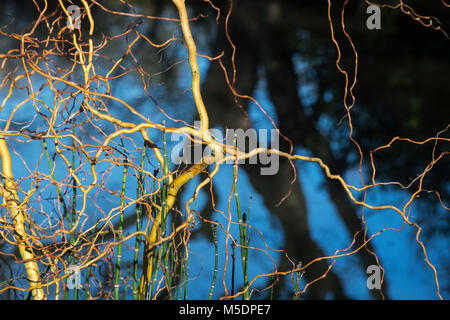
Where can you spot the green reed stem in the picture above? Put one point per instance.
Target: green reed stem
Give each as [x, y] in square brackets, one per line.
[87, 287]
[186, 271]
[178, 294]
[216, 259]
[60, 198]
[272, 279]
[165, 252]
[125, 291]
[73, 212]
[137, 244]
[120, 236]
[233, 263]
[299, 275]
[164, 193]
[58, 190]
[243, 231]
[246, 220]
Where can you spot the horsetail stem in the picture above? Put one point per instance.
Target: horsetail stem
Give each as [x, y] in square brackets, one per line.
[216, 259]
[233, 265]
[86, 283]
[164, 251]
[58, 190]
[73, 212]
[120, 236]
[164, 193]
[139, 192]
[299, 275]
[186, 271]
[243, 230]
[272, 279]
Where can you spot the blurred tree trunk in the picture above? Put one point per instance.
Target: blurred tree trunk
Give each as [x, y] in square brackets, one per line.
[257, 46]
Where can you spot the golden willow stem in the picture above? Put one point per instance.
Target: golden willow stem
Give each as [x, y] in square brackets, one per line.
[154, 232]
[192, 50]
[195, 169]
[11, 199]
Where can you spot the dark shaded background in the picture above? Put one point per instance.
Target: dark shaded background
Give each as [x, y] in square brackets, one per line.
[402, 90]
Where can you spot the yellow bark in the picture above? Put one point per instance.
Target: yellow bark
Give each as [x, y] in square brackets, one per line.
[11, 199]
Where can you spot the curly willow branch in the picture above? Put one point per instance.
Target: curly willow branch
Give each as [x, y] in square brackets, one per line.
[89, 246]
[18, 214]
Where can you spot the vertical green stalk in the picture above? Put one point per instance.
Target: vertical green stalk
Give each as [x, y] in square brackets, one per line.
[182, 274]
[186, 271]
[216, 259]
[243, 230]
[164, 193]
[299, 275]
[164, 251]
[58, 190]
[246, 219]
[168, 250]
[125, 291]
[155, 270]
[87, 287]
[272, 279]
[233, 263]
[137, 244]
[181, 293]
[120, 236]
[60, 198]
[73, 212]
[156, 249]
